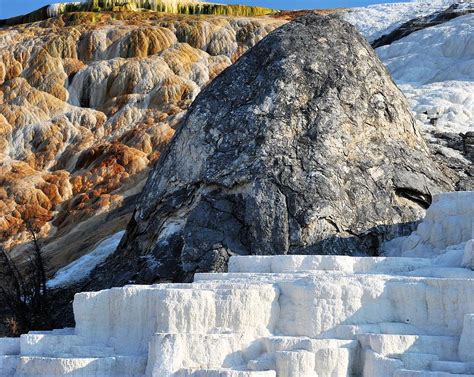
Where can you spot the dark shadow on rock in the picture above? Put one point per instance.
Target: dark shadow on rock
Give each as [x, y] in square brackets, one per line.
[371, 241]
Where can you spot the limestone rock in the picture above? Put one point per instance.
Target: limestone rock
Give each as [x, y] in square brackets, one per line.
[445, 224]
[304, 145]
[466, 343]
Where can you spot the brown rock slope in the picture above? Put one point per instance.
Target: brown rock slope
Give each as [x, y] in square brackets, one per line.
[87, 103]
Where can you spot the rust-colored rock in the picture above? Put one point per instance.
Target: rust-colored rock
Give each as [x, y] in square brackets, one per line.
[87, 103]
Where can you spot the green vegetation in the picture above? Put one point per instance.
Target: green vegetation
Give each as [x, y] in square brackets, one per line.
[189, 7]
[71, 7]
[175, 6]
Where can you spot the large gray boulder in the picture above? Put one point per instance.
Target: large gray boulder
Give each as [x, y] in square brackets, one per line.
[304, 145]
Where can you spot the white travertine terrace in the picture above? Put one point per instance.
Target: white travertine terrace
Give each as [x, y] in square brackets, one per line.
[285, 316]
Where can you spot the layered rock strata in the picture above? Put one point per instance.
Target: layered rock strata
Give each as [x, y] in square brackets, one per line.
[280, 316]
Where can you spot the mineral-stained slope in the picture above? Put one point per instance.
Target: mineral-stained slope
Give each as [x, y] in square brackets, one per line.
[87, 103]
[304, 145]
[193, 7]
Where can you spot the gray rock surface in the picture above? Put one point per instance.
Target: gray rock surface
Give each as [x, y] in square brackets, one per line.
[304, 145]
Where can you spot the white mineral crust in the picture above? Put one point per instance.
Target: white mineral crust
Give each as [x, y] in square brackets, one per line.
[285, 316]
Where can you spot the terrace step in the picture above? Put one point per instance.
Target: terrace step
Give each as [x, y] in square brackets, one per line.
[9, 346]
[48, 344]
[173, 352]
[289, 343]
[142, 311]
[118, 366]
[426, 373]
[8, 365]
[452, 367]
[395, 346]
[90, 351]
[375, 364]
[222, 373]
[298, 263]
[378, 365]
[333, 356]
[350, 331]
[418, 361]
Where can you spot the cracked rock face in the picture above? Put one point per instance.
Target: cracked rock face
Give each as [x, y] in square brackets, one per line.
[303, 146]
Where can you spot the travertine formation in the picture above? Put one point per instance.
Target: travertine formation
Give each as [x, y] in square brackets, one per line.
[416, 24]
[280, 316]
[303, 146]
[87, 103]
